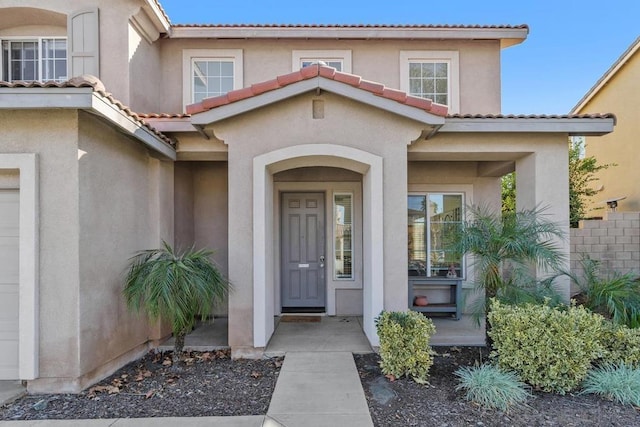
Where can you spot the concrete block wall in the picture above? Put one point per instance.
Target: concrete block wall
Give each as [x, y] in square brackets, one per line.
[613, 240]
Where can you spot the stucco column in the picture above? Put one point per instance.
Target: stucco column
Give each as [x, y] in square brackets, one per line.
[395, 229]
[542, 180]
[240, 243]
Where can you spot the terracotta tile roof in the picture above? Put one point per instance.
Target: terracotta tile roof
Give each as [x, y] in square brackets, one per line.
[409, 26]
[533, 116]
[98, 87]
[314, 71]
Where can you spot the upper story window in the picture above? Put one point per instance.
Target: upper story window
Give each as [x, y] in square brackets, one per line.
[433, 75]
[210, 72]
[34, 59]
[338, 59]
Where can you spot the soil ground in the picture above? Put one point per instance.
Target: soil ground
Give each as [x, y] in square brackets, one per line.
[210, 384]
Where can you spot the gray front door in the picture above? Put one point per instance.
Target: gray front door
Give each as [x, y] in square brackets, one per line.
[303, 282]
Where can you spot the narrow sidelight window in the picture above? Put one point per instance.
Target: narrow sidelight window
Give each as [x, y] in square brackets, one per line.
[343, 232]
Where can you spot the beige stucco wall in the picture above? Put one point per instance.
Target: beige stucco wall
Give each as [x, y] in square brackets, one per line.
[291, 123]
[55, 142]
[620, 96]
[132, 75]
[201, 211]
[126, 205]
[101, 198]
[377, 61]
[145, 86]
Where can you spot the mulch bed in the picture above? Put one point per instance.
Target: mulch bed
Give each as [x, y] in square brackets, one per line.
[207, 384]
[406, 403]
[210, 384]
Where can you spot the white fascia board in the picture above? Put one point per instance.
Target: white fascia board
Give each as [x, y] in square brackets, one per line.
[159, 19]
[572, 126]
[240, 107]
[245, 105]
[171, 124]
[131, 127]
[380, 102]
[514, 35]
[19, 98]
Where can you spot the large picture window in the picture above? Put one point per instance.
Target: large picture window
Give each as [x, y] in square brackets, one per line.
[343, 233]
[433, 220]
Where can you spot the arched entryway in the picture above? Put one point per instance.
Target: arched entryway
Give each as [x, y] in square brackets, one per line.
[264, 208]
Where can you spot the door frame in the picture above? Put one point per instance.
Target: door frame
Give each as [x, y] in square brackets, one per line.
[325, 246]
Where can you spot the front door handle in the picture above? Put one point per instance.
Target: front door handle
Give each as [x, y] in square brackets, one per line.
[322, 261]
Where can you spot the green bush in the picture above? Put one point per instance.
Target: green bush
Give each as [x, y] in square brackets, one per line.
[621, 345]
[610, 293]
[620, 383]
[491, 387]
[549, 348]
[404, 344]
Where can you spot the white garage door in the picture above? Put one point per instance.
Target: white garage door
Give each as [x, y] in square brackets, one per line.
[9, 275]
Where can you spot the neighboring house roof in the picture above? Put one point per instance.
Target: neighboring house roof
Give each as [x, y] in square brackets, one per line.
[606, 77]
[30, 94]
[508, 35]
[328, 79]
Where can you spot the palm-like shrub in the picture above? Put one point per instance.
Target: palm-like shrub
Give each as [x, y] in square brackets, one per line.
[175, 287]
[609, 293]
[507, 248]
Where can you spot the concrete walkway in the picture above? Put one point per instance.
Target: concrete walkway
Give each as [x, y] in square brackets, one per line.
[319, 389]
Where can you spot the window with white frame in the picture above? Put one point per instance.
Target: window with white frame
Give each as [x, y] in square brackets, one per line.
[338, 59]
[343, 236]
[34, 59]
[210, 72]
[433, 221]
[433, 75]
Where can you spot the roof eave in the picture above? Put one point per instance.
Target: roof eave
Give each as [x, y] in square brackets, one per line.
[83, 98]
[157, 15]
[507, 36]
[573, 126]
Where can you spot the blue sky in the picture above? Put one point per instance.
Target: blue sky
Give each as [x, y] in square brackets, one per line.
[570, 44]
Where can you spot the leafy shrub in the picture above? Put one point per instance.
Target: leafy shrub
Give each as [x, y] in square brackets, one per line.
[404, 344]
[620, 383]
[491, 387]
[621, 345]
[610, 293]
[550, 348]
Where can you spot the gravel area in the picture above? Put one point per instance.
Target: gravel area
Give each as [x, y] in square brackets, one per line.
[208, 384]
[406, 403]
